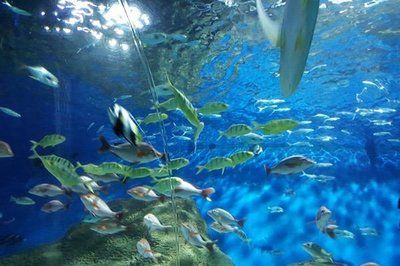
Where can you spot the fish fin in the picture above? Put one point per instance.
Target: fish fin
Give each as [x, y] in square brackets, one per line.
[105, 146]
[67, 191]
[221, 134]
[331, 234]
[241, 222]
[223, 170]
[34, 144]
[267, 170]
[206, 192]
[200, 168]
[256, 125]
[163, 157]
[210, 245]
[271, 29]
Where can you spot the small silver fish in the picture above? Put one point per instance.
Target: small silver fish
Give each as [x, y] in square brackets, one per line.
[16, 10]
[144, 194]
[275, 209]
[98, 207]
[100, 129]
[121, 98]
[108, 228]
[153, 224]
[193, 237]
[5, 150]
[144, 249]
[10, 112]
[322, 218]
[223, 217]
[368, 231]
[139, 153]
[290, 165]
[42, 75]
[90, 126]
[22, 200]
[54, 206]
[48, 190]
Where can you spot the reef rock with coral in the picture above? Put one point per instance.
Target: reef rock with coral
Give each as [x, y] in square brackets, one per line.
[83, 246]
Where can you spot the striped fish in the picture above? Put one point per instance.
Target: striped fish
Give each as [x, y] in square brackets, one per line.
[235, 130]
[124, 124]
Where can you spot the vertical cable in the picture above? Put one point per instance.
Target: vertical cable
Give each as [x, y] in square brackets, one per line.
[150, 80]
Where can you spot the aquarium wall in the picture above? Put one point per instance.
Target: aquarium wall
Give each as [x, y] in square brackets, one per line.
[199, 132]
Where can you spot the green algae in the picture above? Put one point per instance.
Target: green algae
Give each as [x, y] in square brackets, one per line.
[83, 247]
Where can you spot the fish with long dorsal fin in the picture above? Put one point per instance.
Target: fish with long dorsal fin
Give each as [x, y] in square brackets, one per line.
[293, 36]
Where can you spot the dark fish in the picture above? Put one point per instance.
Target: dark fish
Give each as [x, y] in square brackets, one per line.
[10, 239]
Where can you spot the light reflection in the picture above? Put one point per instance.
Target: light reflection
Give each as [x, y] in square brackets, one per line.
[67, 31]
[112, 42]
[82, 17]
[119, 31]
[125, 47]
[116, 15]
[42, 13]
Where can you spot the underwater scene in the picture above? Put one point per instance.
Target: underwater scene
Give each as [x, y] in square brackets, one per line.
[200, 132]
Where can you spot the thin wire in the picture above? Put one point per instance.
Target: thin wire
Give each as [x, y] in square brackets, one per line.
[139, 48]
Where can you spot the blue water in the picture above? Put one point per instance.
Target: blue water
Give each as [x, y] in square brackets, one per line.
[349, 49]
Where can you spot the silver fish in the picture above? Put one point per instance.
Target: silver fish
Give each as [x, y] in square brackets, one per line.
[54, 206]
[322, 218]
[108, 228]
[193, 237]
[98, 207]
[144, 194]
[224, 217]
[153, 224]
[42, 75]
[10, 112]
[290, 165]
[16, 10]
[5, 150]
[144, 249]
[139, 153]
[48, 190]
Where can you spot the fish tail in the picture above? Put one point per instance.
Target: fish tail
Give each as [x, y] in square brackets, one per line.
[210, 245]
[105, 146]
[67, 191]
[241, 222]
[200, 168]
[255, 124]
[163, 157]
[206, 192]
[12, 199]
[34, 145]
[221, 134]
[267, 170]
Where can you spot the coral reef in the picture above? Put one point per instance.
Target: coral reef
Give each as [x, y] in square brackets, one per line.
[82, 246]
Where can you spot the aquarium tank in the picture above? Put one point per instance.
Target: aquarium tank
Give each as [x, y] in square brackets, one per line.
[199, 132]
